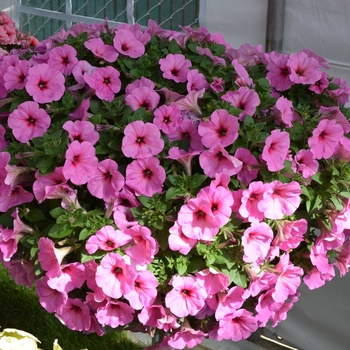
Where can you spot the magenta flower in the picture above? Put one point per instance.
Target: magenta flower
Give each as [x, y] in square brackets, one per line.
[222, 128]
[237, 326]
[142, 82]
[218, 160]
[81, 131]
[325, 138]
[100, 49]
[217, 85]
[141, 140]
[283, 112]
[175, 67]
[187, 296]
[280, 199]
[303, 69]
[107, 238]
[250, 166]
[276, 149]
[16, 76]
[167, 118]
[214, 281]
[115, 314]
[75, 315]
[290, 234]
[12, 197]
[142, 97]
[63, 58]
[107, 181]
[105, 81]
[196, 81]
[81, 162]
[256, 241]
[334, 113]
[3, 142]
[28, 121]
[245, 99]
[278, 72]
[126, 44]
[144, 292]
[144, 247]
[187, 337]
[115, 275]
[145, 176]
[45, 84]
[306, 164]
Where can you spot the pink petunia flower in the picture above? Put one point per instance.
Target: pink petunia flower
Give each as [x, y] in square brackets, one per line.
[250, 166]
[100, 49]
[28, 121]
[78, 72]
[185, 337]
[187, 296]
[217, 85]
[16, 76]
[115, 275]
[75, 315]
[276, 149]
[107, 181]
[126, 44]
[167, 118]
[303, 69]
[141, 140]
[63, 58]
[115, 314]
[107, 238]
[283, 112]
[145, 176]
[256, 241]
[105, 81]
[306, 164]
[222, 128]
[196, 81]
[213, 281]
[245, 99]
[290, 234]
[143, 247]
[81, 162]
[14, 196]
[175, 67]
[178, 241]
[45, 84]
[278, 72]
[280, 199]
[218, 160]
[334, 113]
[325, 138]
[142, 97]
[81, 131]
[142, 82]
[182, 157]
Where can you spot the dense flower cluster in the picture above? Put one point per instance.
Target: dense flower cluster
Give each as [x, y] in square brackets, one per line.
[10, 36]
[165, 182]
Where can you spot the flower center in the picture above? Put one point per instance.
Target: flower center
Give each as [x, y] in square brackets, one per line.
[42, 85]
[147, 173]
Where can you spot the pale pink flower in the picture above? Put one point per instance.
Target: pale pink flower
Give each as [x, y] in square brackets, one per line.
[218, 160]
[237, 326]
[306, 164]
[315, 278]
[303, 69]
[229, 302]
[81, 131]
[186, 337]
[107, 238]
[28, 121]
[81, 162]
[143, 247]
[288, 279]
[187, 296]
[213, 281]
[126, 44]
[222, 128]
[283, 112]
[144, 292]
[280, 199]
[63, 58]
[167, 118]
[175, 67]
[45, 84]
[75, 315]
[115, 275]
[245, 99]
[145, 176]
[325, 138]
[100, 49]
[178, 241]
[243, 78]
[107, 180]
[290, 234]
[182, 157]
[105, 81]
[256, 241]
[150, 315]
[115, 314]
[142, 97]
[276, 149]
[141, 140]
[79, 71]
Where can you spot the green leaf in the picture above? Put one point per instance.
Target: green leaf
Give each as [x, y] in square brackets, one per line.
[145, 201]
[59, 231]
[35, 215]
[96, 106]
[45, 164]
[55, 213]
[85, 233]
[85, 256]
[172, 193]
[198, 179]
[173, 47]
[315, 205]
[339, 205]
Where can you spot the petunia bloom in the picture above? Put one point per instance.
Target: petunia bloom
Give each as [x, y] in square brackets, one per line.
[175, 67]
